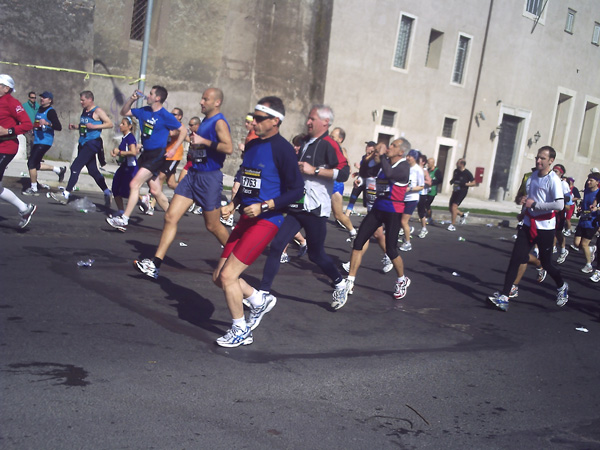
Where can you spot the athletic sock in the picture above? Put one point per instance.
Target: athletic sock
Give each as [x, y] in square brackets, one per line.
[157, 261]
[240, 323]
[351, 278]
[256, 298]
[10, 197]
[125, 218]
[401, 279]
[56, 170]
[34, 186]
[352, 232]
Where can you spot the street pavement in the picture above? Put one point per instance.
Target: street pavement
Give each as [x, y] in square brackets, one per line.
[104, 357]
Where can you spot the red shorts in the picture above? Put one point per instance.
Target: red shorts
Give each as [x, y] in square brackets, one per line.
[570, 211]
[249, 238]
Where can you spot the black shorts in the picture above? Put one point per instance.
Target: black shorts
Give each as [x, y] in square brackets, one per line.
[585, 233]
[169, 167]
[152, 160]
[457, 197]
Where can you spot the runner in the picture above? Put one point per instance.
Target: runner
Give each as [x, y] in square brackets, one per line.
[126, 153]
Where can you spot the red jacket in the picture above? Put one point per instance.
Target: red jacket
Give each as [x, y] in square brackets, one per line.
[12, 115]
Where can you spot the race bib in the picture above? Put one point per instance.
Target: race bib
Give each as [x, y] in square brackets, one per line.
[251, 182]
[197, 155]
[147, 130]
[371, 191]
[82, 129]
[383, 187]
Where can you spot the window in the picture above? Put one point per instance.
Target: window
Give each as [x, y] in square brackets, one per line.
[138, 20]
[562, 121]
[462, 51]
[388, 118]
[534, 7]
[570, 21]
[587, 129]
[434, 49]
[402, 45]
[596, 34]
[448, 129]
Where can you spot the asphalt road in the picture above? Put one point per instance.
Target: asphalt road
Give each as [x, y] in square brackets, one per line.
[104, 357]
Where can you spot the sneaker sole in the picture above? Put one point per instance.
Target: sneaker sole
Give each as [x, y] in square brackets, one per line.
[497, 305]
[398, 297]
[29, 218]
[249, 340]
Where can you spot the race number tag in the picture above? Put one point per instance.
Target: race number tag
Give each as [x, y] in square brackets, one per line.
[82, 129]
[251, 182]
[147, 130]
[383, 187]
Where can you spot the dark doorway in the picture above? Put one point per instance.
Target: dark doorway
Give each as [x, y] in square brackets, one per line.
[507, 142]
[385, 138]
[442, 164]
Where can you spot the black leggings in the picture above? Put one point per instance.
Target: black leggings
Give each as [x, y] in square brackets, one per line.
[316, 231]
[86, 156]
[520, 255]
[37, 154]
[374, 219]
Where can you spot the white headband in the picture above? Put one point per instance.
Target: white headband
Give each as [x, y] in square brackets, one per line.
[269, 111]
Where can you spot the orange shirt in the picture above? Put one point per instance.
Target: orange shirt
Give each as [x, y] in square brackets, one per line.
[178, 153]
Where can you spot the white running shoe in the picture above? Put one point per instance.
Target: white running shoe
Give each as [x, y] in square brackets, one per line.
[257, 312]
[423, 233]
[117, 222]
[400, 288]
[26, 215]
[451, 228]
[596, 276]
[406, 247]
[387, 264]
[463, 218]
[147, 267]
[346, 267]
[340, 295]
[563, 256]
[562, 296]
[235, 337]
[587, 268]
[284, 258]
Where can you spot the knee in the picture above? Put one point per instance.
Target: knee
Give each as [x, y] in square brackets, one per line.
[214, 226]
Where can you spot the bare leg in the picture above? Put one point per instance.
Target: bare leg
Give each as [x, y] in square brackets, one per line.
[179, 205]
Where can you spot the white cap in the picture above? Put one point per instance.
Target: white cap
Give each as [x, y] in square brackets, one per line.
[7, 80]
[594, 170]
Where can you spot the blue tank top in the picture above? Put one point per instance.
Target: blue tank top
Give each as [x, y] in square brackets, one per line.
[42, 134]
[206, 159]
[86, 135]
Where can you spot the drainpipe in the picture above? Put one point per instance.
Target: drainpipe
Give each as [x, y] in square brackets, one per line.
[472, 115]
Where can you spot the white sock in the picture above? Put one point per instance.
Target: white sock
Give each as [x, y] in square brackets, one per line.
[125, 218]
[9, 196]
[256, 299]
[56, 170]
[240, 323]
[34, 186]
[401, 279]
[66, 194]
[351, 278]
[353, 232]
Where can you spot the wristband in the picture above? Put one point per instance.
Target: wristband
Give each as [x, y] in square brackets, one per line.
[317, 170]
[213, 145]
[264, 207]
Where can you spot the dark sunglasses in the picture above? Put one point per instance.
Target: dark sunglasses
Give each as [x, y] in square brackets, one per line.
[259, 119]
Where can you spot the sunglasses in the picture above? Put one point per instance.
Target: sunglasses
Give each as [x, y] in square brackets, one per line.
[259, 119]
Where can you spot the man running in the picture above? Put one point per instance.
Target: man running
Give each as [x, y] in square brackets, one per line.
[544, 197]
[270, 181]
[461, 180]
[13, 121]
[203, 183]
[91, 123]
[155, 124]
[392, 184]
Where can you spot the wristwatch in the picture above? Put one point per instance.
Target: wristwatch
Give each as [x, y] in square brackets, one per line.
[264, 207]
[11, 131]
[317, 170]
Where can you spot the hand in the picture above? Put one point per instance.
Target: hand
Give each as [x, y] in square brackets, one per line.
[306, 168]
[170, 153]
[197, 140]
[227, 210]
[135, 96]
[252, 210]
[72, 126]
[3, 131]
[529, 202]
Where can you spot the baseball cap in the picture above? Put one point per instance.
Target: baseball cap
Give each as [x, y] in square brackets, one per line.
[414, 153]
[47, 94]
[7, 80]
[594, 170]
[371, 143]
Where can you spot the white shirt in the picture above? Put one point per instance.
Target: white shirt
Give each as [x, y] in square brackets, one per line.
[544, 189]
[417, 178]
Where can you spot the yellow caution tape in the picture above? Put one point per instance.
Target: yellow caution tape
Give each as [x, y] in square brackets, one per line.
[83, 72]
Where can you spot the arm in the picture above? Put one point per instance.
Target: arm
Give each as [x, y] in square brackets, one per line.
[399, 174]
[101, 115]
[54, 122]
[182, 134]
[224, 145]
[23, 123]
[126, 109]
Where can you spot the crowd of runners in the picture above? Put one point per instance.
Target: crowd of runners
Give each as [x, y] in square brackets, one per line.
[284, 192]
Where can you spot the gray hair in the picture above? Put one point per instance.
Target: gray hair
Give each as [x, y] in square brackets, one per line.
[324, 112]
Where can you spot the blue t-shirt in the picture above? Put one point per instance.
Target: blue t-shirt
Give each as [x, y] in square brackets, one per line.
[270, 171]
[127, 140]
[587, 219]
[155, 126]
[205, 159]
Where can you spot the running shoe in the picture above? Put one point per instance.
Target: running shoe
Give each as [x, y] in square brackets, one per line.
[257, 312]
[61, 174]
[501, 301]
[284, 258]
[423, 233]
[302, 250]
[563, 256]
[387, 264]
[587, 268]
[592, 253]
[400, 288]
[144, 203]
[514, 292]
[150, 211]
[401, 232]
[406, 247]
[26, 215]
[346, 267]
[554, 249]
[30, 191]
[562, 296]
[147, 267]
[451, 228]
[541, 274]
[574, 247]
[463, 218]
[536, 252]
[198, 211]
[596, 276]
[191, 208]
[340, 294]
[235, 337]
[44, 186]
[60, 198]
[567, 233]
[117, 222]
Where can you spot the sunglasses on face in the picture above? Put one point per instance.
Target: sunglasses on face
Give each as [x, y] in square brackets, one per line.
[259, 119]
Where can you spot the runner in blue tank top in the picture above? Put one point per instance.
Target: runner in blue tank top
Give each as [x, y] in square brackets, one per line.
[270, 180]
[45, 124]
[155, 124]
[203, 183]
[93, 120]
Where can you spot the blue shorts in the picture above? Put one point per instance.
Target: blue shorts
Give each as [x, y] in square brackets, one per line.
[409, 207]
[338, 187]
[204, 188]
[121, 180]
